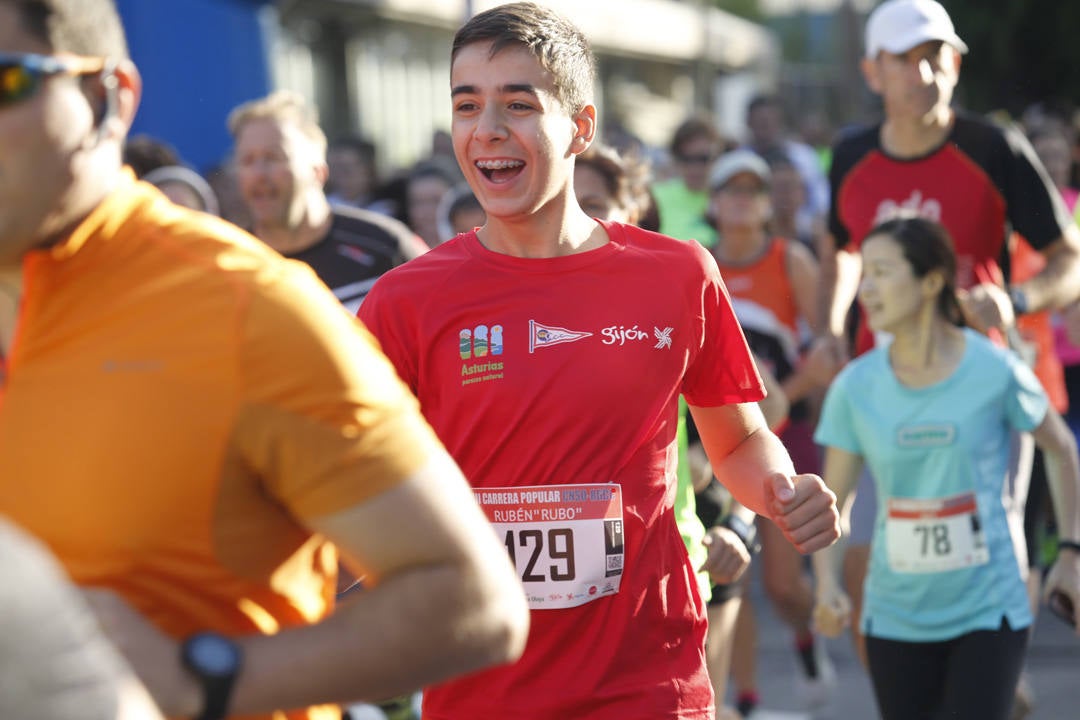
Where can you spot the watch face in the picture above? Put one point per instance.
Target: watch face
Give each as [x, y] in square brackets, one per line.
[213, 654]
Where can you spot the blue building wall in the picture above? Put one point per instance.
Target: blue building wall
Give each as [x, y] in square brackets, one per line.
[198, 59]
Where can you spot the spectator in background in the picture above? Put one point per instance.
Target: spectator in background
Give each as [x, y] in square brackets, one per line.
[442, 146]
[281, 169]
[143, 153]
[816, 131]
[428, 183]
[773, 283]
[1054, 147]
[459, 211]
[352, 172]
[184, 187]
[226, 188]
[769, 137]
[787, 193]
[683, 200]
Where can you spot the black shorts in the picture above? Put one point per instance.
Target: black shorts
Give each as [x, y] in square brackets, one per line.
[971, 677]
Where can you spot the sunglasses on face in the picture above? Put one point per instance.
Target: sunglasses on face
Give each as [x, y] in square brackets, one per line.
[21, 74]
[702, 159]
[742, 190]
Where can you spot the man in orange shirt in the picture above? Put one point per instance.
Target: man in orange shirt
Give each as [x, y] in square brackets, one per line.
[197, 430]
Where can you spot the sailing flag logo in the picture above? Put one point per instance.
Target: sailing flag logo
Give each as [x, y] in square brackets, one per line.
[546, 335]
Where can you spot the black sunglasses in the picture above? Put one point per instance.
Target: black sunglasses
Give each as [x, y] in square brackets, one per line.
[21, 74]
[695, 159]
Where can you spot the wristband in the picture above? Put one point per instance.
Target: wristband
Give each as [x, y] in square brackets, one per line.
[747, 532]
[1069, 545]
[1019, 300]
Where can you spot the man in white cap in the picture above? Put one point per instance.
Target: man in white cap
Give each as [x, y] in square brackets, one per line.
[980, 181]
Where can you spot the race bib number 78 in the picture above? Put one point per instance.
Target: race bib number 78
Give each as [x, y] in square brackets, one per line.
[566, 541]
[927, 535]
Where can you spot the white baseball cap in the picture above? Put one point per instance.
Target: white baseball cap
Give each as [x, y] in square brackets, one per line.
[736, 162]
[897, 26]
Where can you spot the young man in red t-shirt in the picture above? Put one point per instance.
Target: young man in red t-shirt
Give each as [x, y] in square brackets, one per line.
[548, 350]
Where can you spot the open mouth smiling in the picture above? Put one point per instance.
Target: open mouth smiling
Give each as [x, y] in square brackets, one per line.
[500, 171]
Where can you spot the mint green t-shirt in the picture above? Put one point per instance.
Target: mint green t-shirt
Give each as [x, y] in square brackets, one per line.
[682, 212]
[931, 451]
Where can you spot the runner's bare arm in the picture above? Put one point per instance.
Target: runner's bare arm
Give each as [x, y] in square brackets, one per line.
[1058, 444]
[839, 274]
[752, 462]
[1063, 471]
[1070, 315]
[443, 600]
[774, 408]
[1058, 284]
[777, 404]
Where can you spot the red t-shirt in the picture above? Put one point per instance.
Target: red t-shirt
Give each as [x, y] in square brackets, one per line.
[567, 371]
[982, 183]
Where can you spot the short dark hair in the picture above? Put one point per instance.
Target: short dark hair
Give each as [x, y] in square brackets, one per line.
[560, 47]
[927, 246]
[434, 168]
[91, 28]
[145, 154]
[625, 177]
[693, 128]
[364, 148]
[765, 100]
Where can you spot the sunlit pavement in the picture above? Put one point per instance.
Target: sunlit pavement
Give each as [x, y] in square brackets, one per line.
[1053, 666]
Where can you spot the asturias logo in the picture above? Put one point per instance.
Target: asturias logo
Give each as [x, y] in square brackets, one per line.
[485, 345]
[480, 341]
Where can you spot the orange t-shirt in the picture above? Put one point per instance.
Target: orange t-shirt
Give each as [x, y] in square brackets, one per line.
[1037, 328]
[178, 399]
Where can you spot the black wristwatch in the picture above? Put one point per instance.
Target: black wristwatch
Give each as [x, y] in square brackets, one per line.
[747, 532]
[1019, 300]
[215, 662]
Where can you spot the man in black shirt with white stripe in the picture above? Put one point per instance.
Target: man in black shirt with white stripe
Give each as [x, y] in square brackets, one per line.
[281, 171]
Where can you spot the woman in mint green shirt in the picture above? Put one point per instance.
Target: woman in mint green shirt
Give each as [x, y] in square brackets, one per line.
[930, 412]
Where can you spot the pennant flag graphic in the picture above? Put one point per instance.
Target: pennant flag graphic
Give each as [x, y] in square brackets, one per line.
[545, 335]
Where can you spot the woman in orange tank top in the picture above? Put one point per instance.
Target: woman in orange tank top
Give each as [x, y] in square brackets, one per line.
[773, 284]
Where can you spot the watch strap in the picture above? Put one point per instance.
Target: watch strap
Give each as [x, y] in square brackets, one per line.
[216, 687]
[747, 532]
[1019, 300]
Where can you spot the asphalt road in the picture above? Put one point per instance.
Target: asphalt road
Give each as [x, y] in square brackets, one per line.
[1053, 665]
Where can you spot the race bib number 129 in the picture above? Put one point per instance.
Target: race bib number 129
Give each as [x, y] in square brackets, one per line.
[566, 541]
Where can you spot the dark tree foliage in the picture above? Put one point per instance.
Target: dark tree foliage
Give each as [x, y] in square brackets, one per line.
[1022, 52]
